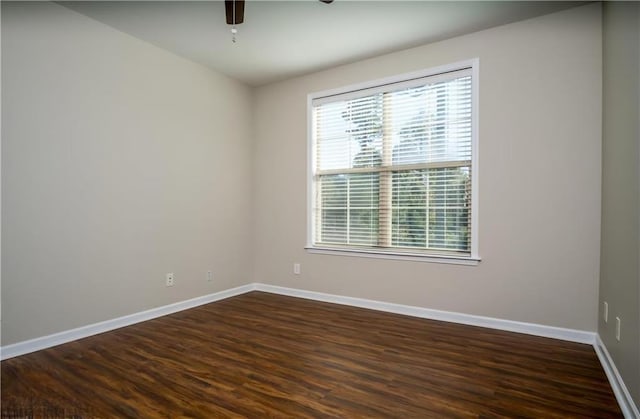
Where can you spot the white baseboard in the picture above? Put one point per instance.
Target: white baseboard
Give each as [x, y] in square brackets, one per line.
[627, 405]
[621, 392]
[570, 335]
[32, 345]
[25, 347]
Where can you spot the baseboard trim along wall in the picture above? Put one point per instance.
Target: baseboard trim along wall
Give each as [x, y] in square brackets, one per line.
[44, 342]
[620, 390]
[447, 316]
[627, 405]
[21, 348]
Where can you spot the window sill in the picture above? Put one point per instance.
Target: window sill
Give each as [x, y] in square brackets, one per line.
[448, 259]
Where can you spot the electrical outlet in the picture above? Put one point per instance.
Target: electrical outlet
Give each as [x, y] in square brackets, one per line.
[170, 281]
[209, 276]
[618, 326]
[296, 268]
[605, 312]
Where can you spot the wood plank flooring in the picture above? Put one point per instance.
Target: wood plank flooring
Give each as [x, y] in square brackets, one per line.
[263, 355]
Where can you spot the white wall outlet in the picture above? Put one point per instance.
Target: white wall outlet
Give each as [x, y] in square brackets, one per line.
[618, 325]
[605, 312]
[170, 281]
[209, 276]
[296, 268]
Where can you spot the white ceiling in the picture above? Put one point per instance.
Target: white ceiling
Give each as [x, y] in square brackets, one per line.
[282, 39]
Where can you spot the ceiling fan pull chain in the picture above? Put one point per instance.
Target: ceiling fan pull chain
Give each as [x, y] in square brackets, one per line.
[234, 31]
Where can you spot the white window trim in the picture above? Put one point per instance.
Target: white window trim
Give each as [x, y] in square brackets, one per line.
[473, 258]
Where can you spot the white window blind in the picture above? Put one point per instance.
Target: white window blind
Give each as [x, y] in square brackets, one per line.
[392, 166]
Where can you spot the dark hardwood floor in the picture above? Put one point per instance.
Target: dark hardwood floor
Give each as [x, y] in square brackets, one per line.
[263, 355]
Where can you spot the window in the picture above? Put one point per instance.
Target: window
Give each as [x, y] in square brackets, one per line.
[393, 167]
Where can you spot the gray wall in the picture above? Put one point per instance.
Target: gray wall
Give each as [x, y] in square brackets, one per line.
[620, 253]
[121, 162]
[540, 156]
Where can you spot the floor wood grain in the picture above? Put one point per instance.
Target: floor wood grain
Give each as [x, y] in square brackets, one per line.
[264, 355]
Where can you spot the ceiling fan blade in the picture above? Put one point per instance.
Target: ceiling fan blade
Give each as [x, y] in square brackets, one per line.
[239, 12]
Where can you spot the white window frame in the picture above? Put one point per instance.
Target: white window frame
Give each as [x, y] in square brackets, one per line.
[473, 258]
